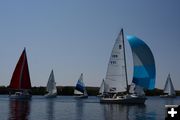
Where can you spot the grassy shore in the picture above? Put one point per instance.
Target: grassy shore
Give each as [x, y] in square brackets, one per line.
[69, 90]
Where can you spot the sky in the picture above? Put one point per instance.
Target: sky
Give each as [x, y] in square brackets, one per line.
[76, 36]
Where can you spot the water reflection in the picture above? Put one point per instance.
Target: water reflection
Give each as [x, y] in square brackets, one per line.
[115, 112]
[79, 109]
[168, 101]
[124, 112]
[139, 112]
[50, 109]
[19, 109]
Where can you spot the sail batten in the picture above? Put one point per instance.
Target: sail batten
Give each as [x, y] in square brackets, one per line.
[144, 64]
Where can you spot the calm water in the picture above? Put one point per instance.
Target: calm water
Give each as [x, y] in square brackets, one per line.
[68, 108]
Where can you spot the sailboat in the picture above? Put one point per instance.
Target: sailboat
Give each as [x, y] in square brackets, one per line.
[101, 89]
[20, 81]
[51, 86]
[116, 87]
[80, 89]
[169, 91]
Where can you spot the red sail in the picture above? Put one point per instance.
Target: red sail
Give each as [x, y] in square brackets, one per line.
[20, 78]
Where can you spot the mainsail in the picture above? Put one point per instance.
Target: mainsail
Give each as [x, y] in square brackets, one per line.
[51, 85]
[80, 87]
[21, 78]
[116, 76]
[169, 88]
[144, 65]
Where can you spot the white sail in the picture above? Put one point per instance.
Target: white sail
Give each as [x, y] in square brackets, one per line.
[101, 89]
[132, 88]
[51, 85]
[136, 89]
[169, 88]
[76, 92]
[85, 92]
[116, 73]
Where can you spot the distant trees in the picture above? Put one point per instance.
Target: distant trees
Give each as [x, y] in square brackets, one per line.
[69, 90]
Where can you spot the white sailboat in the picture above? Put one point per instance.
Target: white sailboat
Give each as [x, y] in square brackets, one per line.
[116, 87]
[51, 86]
[169, 88]
[80, 89]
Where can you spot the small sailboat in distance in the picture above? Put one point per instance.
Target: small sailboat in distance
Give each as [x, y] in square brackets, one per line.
[169, 91]
[101, 89]
[20, 81]
[80, 89]
[51, 86]
[116, 87]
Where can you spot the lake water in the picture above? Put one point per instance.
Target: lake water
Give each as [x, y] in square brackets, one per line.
[68, 108]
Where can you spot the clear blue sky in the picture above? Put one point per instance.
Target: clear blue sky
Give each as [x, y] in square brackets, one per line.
[74, 36]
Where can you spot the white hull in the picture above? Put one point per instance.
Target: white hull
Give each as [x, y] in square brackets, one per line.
[21, 95]
[167, 96]
[100, 95]
[52, 95]
[124, 100]
[81, 96]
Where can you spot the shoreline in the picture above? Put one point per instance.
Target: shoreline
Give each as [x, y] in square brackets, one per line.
[69, 90]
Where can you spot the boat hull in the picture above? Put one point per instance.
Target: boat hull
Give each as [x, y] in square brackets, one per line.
[131, 100]
[50, 95]
[167, 96]
[19, 95]
[81, 97]
[100, 95]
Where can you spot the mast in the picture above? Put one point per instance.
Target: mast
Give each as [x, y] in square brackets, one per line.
[127, 89]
